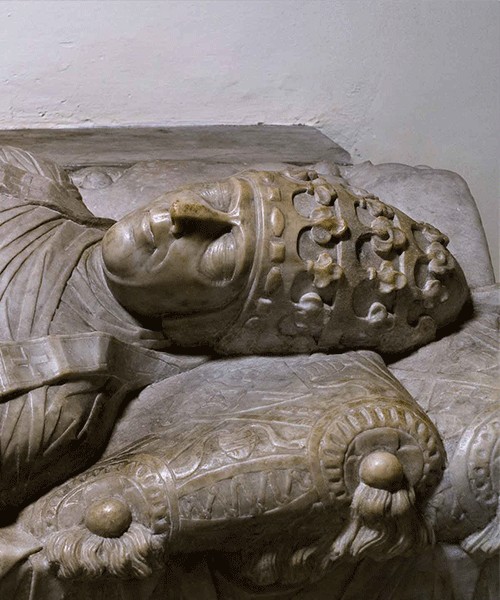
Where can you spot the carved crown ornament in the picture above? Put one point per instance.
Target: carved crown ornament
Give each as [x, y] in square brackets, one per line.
[331, 269]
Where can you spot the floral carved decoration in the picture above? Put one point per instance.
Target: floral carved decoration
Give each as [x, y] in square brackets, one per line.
[325, 270]
[432, 234]
[376, 208]
[389, 280]
[326, 226]
[434, 292]
[379, 315]
[440, 260]
[387, 237]
[310, 310]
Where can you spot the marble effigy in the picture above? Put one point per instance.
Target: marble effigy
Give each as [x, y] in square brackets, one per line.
[298, 475]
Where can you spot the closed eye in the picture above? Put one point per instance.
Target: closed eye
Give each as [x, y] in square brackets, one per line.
[219, 260]
[218, 195]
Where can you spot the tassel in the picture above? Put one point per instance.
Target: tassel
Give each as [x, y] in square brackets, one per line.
[486, 541]
[384, 520]
[285, 566]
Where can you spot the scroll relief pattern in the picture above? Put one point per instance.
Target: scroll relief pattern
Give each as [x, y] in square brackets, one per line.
[344, 444]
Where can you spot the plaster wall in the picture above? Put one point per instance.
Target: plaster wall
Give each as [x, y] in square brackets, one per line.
[391, 81]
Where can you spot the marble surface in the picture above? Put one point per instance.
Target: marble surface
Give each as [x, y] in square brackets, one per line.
[270, 529]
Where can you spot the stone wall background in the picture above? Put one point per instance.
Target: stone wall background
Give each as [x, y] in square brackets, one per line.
[391, 81]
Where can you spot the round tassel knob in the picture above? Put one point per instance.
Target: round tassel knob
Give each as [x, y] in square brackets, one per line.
[108, 518]
[382, 470]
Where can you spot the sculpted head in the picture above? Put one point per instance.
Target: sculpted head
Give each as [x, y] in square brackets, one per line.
[268, 262]
[188, 252]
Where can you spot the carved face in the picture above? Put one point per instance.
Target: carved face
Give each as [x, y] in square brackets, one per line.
[188, 252]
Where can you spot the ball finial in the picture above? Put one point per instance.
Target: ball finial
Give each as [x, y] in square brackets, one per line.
[108, 518]
[382, 470]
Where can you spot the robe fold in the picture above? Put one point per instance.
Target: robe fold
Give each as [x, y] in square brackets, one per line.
[69, 354]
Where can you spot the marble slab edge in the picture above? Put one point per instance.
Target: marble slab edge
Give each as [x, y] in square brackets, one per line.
[124, 146]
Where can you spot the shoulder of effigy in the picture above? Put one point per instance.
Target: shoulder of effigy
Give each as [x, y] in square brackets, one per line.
[38, 181]
[26, 187]
[17, 208]
[67, 206]
[26, 161]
